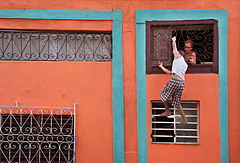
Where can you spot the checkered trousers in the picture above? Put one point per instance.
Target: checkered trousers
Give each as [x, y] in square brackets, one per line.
[174, 89]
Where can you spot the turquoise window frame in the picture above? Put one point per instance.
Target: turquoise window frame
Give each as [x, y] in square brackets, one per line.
[142, 16]
[117, 65]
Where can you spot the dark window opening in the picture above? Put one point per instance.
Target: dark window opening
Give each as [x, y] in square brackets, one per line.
[203, 33]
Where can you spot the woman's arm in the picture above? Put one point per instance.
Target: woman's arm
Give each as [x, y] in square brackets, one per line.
[174, 46]
[160, 65]
[194, 57]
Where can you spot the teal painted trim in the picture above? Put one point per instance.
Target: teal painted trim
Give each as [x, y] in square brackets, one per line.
[118, 113]
[223, 86]
[117, 65]
[60, 14]
[142, 16]
[141, 93]
[150, 15]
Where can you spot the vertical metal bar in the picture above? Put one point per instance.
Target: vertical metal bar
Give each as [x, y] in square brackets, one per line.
[69, 153]
[19, 155]
[174, 129]
[59, 154]
[57, 46]
[152, 116]
[12, 45]
[21, 128]
[62, 134]
[31, 132]
[0, 120]
[41, 125]
[48, 42]
[39, 159]
[74, 127]
[61, 128]
[51, 128]
[3, 48]
[198, 122]
[38, 132]
[30, 43]
[10, 129]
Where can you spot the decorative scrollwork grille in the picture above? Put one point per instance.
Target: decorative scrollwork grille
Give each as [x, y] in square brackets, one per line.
[19, 45]
[37, 134]
[202, 36]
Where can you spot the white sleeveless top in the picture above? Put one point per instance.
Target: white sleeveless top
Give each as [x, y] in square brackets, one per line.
[179, 67]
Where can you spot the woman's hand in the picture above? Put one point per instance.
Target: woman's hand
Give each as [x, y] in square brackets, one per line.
[160, 64]
[174, 39]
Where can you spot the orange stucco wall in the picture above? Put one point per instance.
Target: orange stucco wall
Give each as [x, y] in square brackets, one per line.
[20, 82]
[209, 135]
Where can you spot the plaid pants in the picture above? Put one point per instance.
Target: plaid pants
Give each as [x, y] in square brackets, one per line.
[174, 89]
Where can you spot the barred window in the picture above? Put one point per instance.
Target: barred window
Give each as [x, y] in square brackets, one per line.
[203, 33]
[19, 45]
[34, 134]
[170, 129]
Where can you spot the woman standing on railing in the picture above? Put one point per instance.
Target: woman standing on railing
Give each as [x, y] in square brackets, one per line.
[175, 86]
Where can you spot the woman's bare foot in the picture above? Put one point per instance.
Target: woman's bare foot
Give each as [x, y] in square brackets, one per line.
[165, 114]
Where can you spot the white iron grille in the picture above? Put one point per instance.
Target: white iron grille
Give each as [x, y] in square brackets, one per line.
[170, 129]
[37, 134]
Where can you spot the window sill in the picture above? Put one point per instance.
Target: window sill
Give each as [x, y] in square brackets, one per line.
[192, 69]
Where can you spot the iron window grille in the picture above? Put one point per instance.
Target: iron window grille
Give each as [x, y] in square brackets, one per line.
[37, 134]
[203, 33]
[20, 45]
[169, 129]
